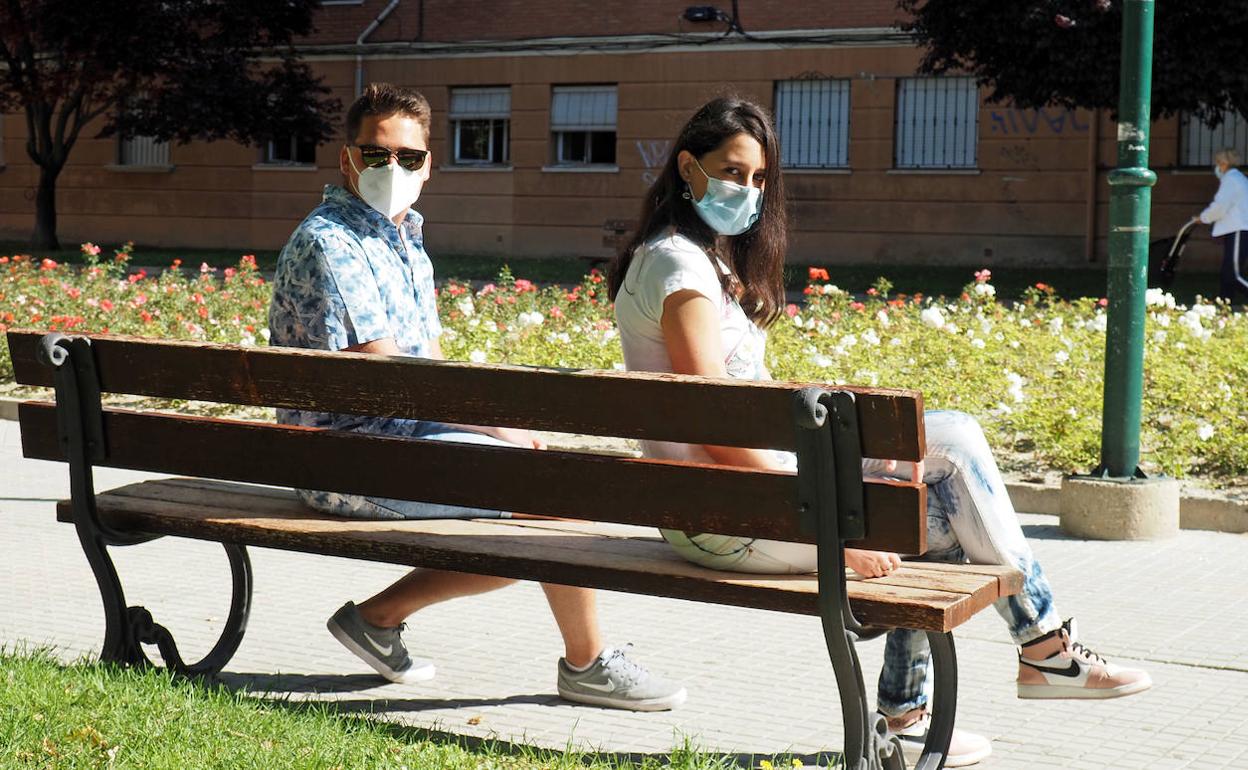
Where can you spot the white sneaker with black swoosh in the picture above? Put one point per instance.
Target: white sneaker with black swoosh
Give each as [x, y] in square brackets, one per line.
[614, 681]
[381, 648]
[1073, 671]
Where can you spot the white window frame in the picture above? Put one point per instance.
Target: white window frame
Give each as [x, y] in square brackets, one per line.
[936, 123]
[812, 121]
[502, 113]
[268, 160]
[142, 152]
[1231, 132]
[560, 129]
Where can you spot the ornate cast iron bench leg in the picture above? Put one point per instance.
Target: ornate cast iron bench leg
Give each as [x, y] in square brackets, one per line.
[126, 629]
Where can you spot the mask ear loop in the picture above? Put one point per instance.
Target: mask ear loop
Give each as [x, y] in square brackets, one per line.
[357, 175]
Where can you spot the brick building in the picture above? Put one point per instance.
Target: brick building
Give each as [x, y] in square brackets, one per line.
[551, 117]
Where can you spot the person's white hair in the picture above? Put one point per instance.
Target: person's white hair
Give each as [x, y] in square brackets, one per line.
[1227, 155]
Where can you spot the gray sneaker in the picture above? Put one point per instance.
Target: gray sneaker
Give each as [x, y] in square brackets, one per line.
[381, 648]
[615, 681]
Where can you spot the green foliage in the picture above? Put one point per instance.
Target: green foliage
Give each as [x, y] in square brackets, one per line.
[1068, 52]
[1031, 371]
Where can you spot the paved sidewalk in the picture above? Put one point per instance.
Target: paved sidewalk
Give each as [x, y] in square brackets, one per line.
[759, 682]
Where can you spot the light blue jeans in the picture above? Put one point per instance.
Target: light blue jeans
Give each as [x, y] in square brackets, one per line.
[361, 507]
[969, 519]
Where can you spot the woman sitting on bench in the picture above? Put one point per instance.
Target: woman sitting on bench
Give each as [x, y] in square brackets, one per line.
[694, 291]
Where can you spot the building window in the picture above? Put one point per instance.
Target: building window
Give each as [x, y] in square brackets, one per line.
[812, 118]
[582, 125]
[937, 123]
[481, 125]
[290, 151]
[142, 151]
[1198, 142]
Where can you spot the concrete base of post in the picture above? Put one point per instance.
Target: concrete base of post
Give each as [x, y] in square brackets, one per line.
[1119, 509]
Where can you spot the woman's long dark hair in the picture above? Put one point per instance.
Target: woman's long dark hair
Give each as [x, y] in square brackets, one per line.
[755, 257]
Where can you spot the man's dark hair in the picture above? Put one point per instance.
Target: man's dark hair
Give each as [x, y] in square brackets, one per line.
[384, 100]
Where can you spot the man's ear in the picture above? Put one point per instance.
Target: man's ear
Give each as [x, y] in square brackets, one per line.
[344, 161]
[427, 169]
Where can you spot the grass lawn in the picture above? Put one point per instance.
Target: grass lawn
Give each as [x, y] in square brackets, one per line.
[91, 715]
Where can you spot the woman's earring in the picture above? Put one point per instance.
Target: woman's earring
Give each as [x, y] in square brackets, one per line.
[687, 195]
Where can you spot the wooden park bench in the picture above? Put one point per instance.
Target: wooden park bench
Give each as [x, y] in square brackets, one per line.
[826, 502]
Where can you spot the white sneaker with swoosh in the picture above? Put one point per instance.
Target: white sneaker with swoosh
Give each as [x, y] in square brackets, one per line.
[381, 648]
[614, 681]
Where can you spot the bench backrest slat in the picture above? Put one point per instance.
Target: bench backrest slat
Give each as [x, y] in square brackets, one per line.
[701, 498]
[625, 404]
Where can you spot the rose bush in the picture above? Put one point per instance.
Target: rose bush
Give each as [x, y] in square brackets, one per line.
[1031, 370]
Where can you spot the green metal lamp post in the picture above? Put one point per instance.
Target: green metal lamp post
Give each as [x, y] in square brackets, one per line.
[1129, 210]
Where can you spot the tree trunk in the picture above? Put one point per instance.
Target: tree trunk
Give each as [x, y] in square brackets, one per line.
[44, 236]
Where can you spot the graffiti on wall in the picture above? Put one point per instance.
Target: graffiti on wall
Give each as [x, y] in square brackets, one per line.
[653, 154]
[1015, 122]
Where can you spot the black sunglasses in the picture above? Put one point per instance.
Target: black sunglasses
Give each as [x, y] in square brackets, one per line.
[375, 156]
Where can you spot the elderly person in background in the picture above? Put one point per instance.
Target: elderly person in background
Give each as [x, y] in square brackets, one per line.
[1229, 216]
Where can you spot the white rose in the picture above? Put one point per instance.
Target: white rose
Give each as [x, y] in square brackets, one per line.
[1158, 298]
[477, 356]
[533, 318]
[932, 317]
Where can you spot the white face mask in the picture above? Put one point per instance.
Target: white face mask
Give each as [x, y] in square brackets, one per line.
[1218, 172]
[389, 189]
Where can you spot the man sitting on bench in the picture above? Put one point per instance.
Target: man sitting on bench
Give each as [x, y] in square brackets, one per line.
[354, 276]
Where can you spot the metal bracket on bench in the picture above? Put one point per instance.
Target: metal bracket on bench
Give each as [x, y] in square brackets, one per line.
[831, 499]
[829, 476]
[80, 431]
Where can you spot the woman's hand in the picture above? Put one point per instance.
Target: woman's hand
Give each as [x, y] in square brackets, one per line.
[518, 436]
[871, 563]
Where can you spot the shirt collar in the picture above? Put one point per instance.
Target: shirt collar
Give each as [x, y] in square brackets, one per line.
[341, 196]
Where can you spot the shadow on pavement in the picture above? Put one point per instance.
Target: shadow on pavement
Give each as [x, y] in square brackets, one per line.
[272, 688]
[1046, 532]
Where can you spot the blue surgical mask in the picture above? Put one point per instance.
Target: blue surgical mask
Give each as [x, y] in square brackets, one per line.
[1218, 172]
[728, 208]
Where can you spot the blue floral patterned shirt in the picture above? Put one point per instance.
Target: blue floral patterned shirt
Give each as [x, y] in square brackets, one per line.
[347, 276]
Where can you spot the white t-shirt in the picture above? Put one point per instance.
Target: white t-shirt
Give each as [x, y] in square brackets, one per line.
[663, 266]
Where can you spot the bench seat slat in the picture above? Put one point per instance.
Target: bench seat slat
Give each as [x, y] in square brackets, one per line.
[692, 497]
[627, 404]
[611, 557]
